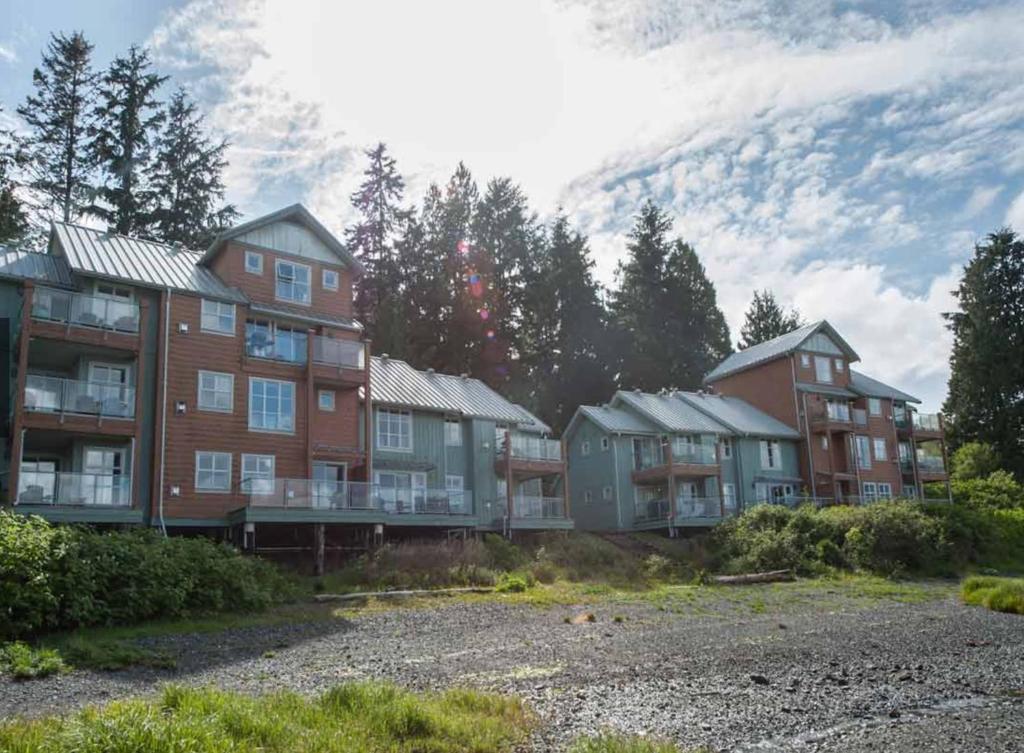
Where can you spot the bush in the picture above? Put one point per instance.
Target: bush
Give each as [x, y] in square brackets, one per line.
[55, 578]
[585, 557]
[513, 583]
[997, 594]
[25, 662]
[973, 460]
[997, 491]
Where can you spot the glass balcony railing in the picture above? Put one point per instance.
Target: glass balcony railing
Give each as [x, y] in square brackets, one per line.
[349, 354]
[538, 507]
[927, 422]
[59, 395]
[698, 507]
[694, 454]
[356, 496]
[654, 508]
[531, 447]
[79, 489]
[276, 344]
[930, 464]
[85, 310]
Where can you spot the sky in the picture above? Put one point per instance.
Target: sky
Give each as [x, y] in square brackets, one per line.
[845, 155]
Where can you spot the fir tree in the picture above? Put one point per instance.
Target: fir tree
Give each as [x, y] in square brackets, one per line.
[986, 383]
[185, 176]
[766, 320]
[372, 240]
[14, 224]
[58, 115]
[126, 119]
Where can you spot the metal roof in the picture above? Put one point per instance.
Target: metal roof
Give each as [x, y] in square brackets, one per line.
[20, 264]
[293, 213]
[139, 262]
[864, 385]
[301, 314]
[739, 415]
[825, 389]
[533, 423]
[617, 420]
[780, 346]
[395, 382]
[670, 412]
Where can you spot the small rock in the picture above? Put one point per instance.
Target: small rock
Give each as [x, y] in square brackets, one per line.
[759, 679]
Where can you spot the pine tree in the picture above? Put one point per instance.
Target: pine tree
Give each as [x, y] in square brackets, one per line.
[185, 176]
[766, 320]
[372, 240]
[58, 115]
[14, 224]
[986, 383]
[126, 119]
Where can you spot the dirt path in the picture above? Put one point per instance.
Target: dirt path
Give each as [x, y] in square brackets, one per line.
[782, 668]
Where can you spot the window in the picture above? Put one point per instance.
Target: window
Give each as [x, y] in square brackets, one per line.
[863, 451]
[217, 317]
[880, 451]
[840, 365]
[869, 490]
[292, 282]
[271, 405]
[726, 447]
[874, 406]
[267, 339]
[394, 430]
[605, 443]
[884, 490]
[453, 483]
[606, 494]
[213, 471]
[330, 279]
[452, 432]
[402, 492]
[588, 497]
[216, 391]
[823, 369]
[258, 474]
[770, 455]
[805, 360]
[585, 448]
[325, 399]
[824, 442]
[115, 292]
[729, 496]
[253, 262]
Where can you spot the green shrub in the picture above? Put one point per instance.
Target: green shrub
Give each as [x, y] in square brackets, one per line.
[65, 577]
[997, 491]
[585, 557]
[25, 663]
[513, 583]
[973, 460]
[502, 554]
[997, 594]
[544, 571]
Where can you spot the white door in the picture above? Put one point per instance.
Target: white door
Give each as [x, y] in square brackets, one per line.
[102, 482]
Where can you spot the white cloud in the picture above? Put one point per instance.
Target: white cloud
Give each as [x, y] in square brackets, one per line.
[7, 53]
[1015, 214]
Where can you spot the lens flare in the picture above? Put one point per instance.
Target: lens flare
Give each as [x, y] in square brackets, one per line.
[462, 247]
[490, 334]
[485, 314]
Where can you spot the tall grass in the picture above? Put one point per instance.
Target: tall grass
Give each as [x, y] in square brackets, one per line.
[997, 594]
[349, 718]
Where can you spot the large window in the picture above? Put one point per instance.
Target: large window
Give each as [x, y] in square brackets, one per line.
[271, 405]
[823, 369]
[218, 317]
[874, 406]
[394, 430]
[863, 451]
[771, 455]
[267, 339]
[213, 471]
[453, 432]
[292, 283]
[258, 474]
[216, 391]
[880, 452]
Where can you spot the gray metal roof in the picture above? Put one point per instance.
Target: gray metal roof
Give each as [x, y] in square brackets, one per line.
[395, 382]
[772, 349]
[864, 385]
[293, 213]
[618, 420]
[138, 262]
[20, 264]
[532, 422]
[670, 412]
[825, 389]
[300, 314]
[739, 415]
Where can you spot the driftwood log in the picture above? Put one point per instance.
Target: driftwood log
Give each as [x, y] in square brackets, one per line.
[774, 576]
[364, 595]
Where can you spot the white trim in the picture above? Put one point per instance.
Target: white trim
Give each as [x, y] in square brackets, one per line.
[221, 332]
[125, 367]
[199, 391]
[253, 255]
[453, 422]
[195, 478]
[252, 381]
[320, 400]
[323, 279]
[258, 456]
[377, 431]
[309, 283]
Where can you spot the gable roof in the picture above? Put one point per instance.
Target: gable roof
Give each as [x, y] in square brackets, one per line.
[669, 412]
[864, 385]
[776, 348]
[294, 213]
[616, 420]
[395, 382]
[19, 264]
[97, 253]
[739, 415]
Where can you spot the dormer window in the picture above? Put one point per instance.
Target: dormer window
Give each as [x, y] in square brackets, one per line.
[330, 279]
[292, 282]
[254, 262]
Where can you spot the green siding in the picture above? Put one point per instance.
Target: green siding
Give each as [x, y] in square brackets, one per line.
[747, 457]
[592, 473]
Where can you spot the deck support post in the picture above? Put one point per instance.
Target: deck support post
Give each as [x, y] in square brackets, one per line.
[319, 545]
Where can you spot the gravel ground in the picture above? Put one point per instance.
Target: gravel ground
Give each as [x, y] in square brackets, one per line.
[827, 674]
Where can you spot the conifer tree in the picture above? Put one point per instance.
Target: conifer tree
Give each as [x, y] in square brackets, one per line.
[125, 125]
[766, 320]
[58, 115]
[185, 177]
[14, 224]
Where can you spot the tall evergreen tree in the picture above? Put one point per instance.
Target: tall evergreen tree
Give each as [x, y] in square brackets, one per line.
[14, 224]
[766, 320]
[372, 240]
[125, 125]
[986, 383]
[185, 176]
[568, 329]
[58, 115]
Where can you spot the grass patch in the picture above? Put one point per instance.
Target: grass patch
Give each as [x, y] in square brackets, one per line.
[616, 743]
[24, 662]
[352, 717]
[997, 594]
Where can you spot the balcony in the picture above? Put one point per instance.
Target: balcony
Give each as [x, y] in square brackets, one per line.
[544, 508]
[74, 489]
[52, 402]
[650, 460]
[95, 319]
[528, 454]
[688, 510]
[931, 468]
[286, 346]
[355, 497]
[927, 426]
[341, 354]
[831, 416]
